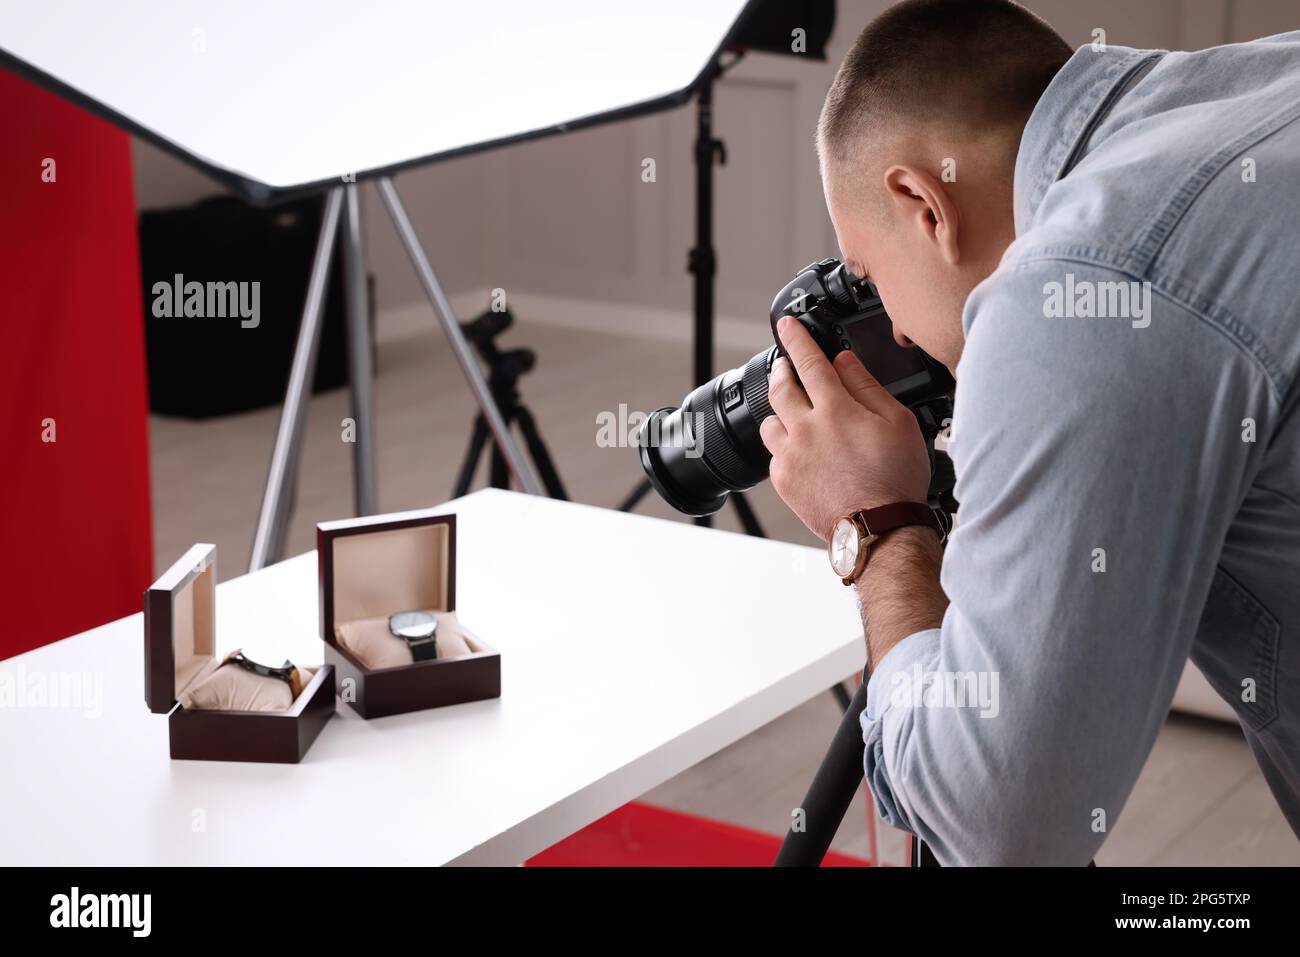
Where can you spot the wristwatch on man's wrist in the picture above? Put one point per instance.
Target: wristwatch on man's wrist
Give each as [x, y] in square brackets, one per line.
[853, 535]
[419, 630]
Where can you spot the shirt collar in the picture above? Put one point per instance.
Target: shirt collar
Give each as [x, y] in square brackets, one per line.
[1067, 112]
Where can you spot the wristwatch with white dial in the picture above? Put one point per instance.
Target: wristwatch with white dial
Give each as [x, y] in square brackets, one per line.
[419, 630]
[853, 535]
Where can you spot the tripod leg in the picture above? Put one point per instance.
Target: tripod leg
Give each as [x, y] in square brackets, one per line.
[360, 361]
[918, 855]
[523, 472]
[748, 519]
[498, 474]
[477, 440]
[541, 455]
[842, 697]
[273, 519]
[635, 496]
[831, 792]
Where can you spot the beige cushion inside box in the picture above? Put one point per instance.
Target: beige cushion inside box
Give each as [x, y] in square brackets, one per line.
[203, 683]
[371, 643]
[381, 573]
[221, 687]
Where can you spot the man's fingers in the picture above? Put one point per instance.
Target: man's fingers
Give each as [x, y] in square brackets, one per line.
[863, 386]
[784, 393]
[773, 434]
[810, 363]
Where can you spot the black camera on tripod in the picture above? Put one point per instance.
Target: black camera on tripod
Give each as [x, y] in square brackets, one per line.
[698, 454]
[505, 366]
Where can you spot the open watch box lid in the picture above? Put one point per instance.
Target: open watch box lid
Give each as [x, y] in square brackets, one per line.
[180, 623]
[373, 567]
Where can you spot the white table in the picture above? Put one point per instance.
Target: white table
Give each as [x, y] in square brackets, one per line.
[631, 647]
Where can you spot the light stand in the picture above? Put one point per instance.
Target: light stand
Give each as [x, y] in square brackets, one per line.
[702, 263]
[342, 208]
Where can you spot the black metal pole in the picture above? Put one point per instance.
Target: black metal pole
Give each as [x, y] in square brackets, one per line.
[702, 261]
[832, 790]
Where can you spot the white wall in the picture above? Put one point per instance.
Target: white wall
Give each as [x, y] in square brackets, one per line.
[566, 224]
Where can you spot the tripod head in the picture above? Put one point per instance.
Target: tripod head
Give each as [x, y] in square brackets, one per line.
[504, 366]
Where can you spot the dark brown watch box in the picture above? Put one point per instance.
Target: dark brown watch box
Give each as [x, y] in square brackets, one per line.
[180, 623]
[375, 566]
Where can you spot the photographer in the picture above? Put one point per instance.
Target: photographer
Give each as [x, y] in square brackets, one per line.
[1100, 247]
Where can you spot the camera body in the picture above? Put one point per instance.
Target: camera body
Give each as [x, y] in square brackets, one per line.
[842, 312]
[696, 455]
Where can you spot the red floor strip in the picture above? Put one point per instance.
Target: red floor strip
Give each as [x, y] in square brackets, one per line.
[641, 835]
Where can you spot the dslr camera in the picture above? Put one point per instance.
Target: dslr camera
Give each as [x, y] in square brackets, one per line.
[697, 454]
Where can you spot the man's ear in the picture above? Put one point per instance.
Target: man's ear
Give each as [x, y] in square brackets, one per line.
[925, 203]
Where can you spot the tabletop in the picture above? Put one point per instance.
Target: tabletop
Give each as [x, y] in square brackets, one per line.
[631, 648]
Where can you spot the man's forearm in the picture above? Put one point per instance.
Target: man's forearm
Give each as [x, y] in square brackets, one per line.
[899, 592]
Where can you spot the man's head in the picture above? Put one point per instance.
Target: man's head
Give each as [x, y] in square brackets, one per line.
[918, 141]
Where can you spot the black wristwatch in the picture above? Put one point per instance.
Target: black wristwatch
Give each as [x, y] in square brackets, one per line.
[284, 672]
[419, 630]
[288, 672]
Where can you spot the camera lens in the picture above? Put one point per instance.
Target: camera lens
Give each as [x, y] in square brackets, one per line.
[696, 455]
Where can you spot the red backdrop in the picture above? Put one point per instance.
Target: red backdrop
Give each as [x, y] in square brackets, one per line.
[75, 533]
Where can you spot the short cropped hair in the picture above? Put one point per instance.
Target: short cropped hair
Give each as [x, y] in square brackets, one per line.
[975, 64]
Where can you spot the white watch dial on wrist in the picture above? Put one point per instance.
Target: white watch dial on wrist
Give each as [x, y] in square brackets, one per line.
[844, 547]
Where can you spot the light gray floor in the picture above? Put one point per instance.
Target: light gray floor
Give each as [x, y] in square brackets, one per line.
[1200, 800]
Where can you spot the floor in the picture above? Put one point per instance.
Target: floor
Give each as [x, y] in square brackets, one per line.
[1200, 799]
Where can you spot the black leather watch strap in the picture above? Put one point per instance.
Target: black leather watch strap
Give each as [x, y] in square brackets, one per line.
[422, 649]
[419, 629]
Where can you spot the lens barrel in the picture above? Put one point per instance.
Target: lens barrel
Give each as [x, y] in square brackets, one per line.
[698, 454]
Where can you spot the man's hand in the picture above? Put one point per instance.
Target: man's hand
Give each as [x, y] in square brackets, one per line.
[841, 442]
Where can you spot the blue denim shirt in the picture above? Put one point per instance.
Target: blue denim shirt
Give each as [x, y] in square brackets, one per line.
[1127, 448]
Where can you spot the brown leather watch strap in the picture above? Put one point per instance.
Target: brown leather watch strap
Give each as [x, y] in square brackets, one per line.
[885, 518]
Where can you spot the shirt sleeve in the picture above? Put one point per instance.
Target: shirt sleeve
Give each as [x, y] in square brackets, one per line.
[1100, 462]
